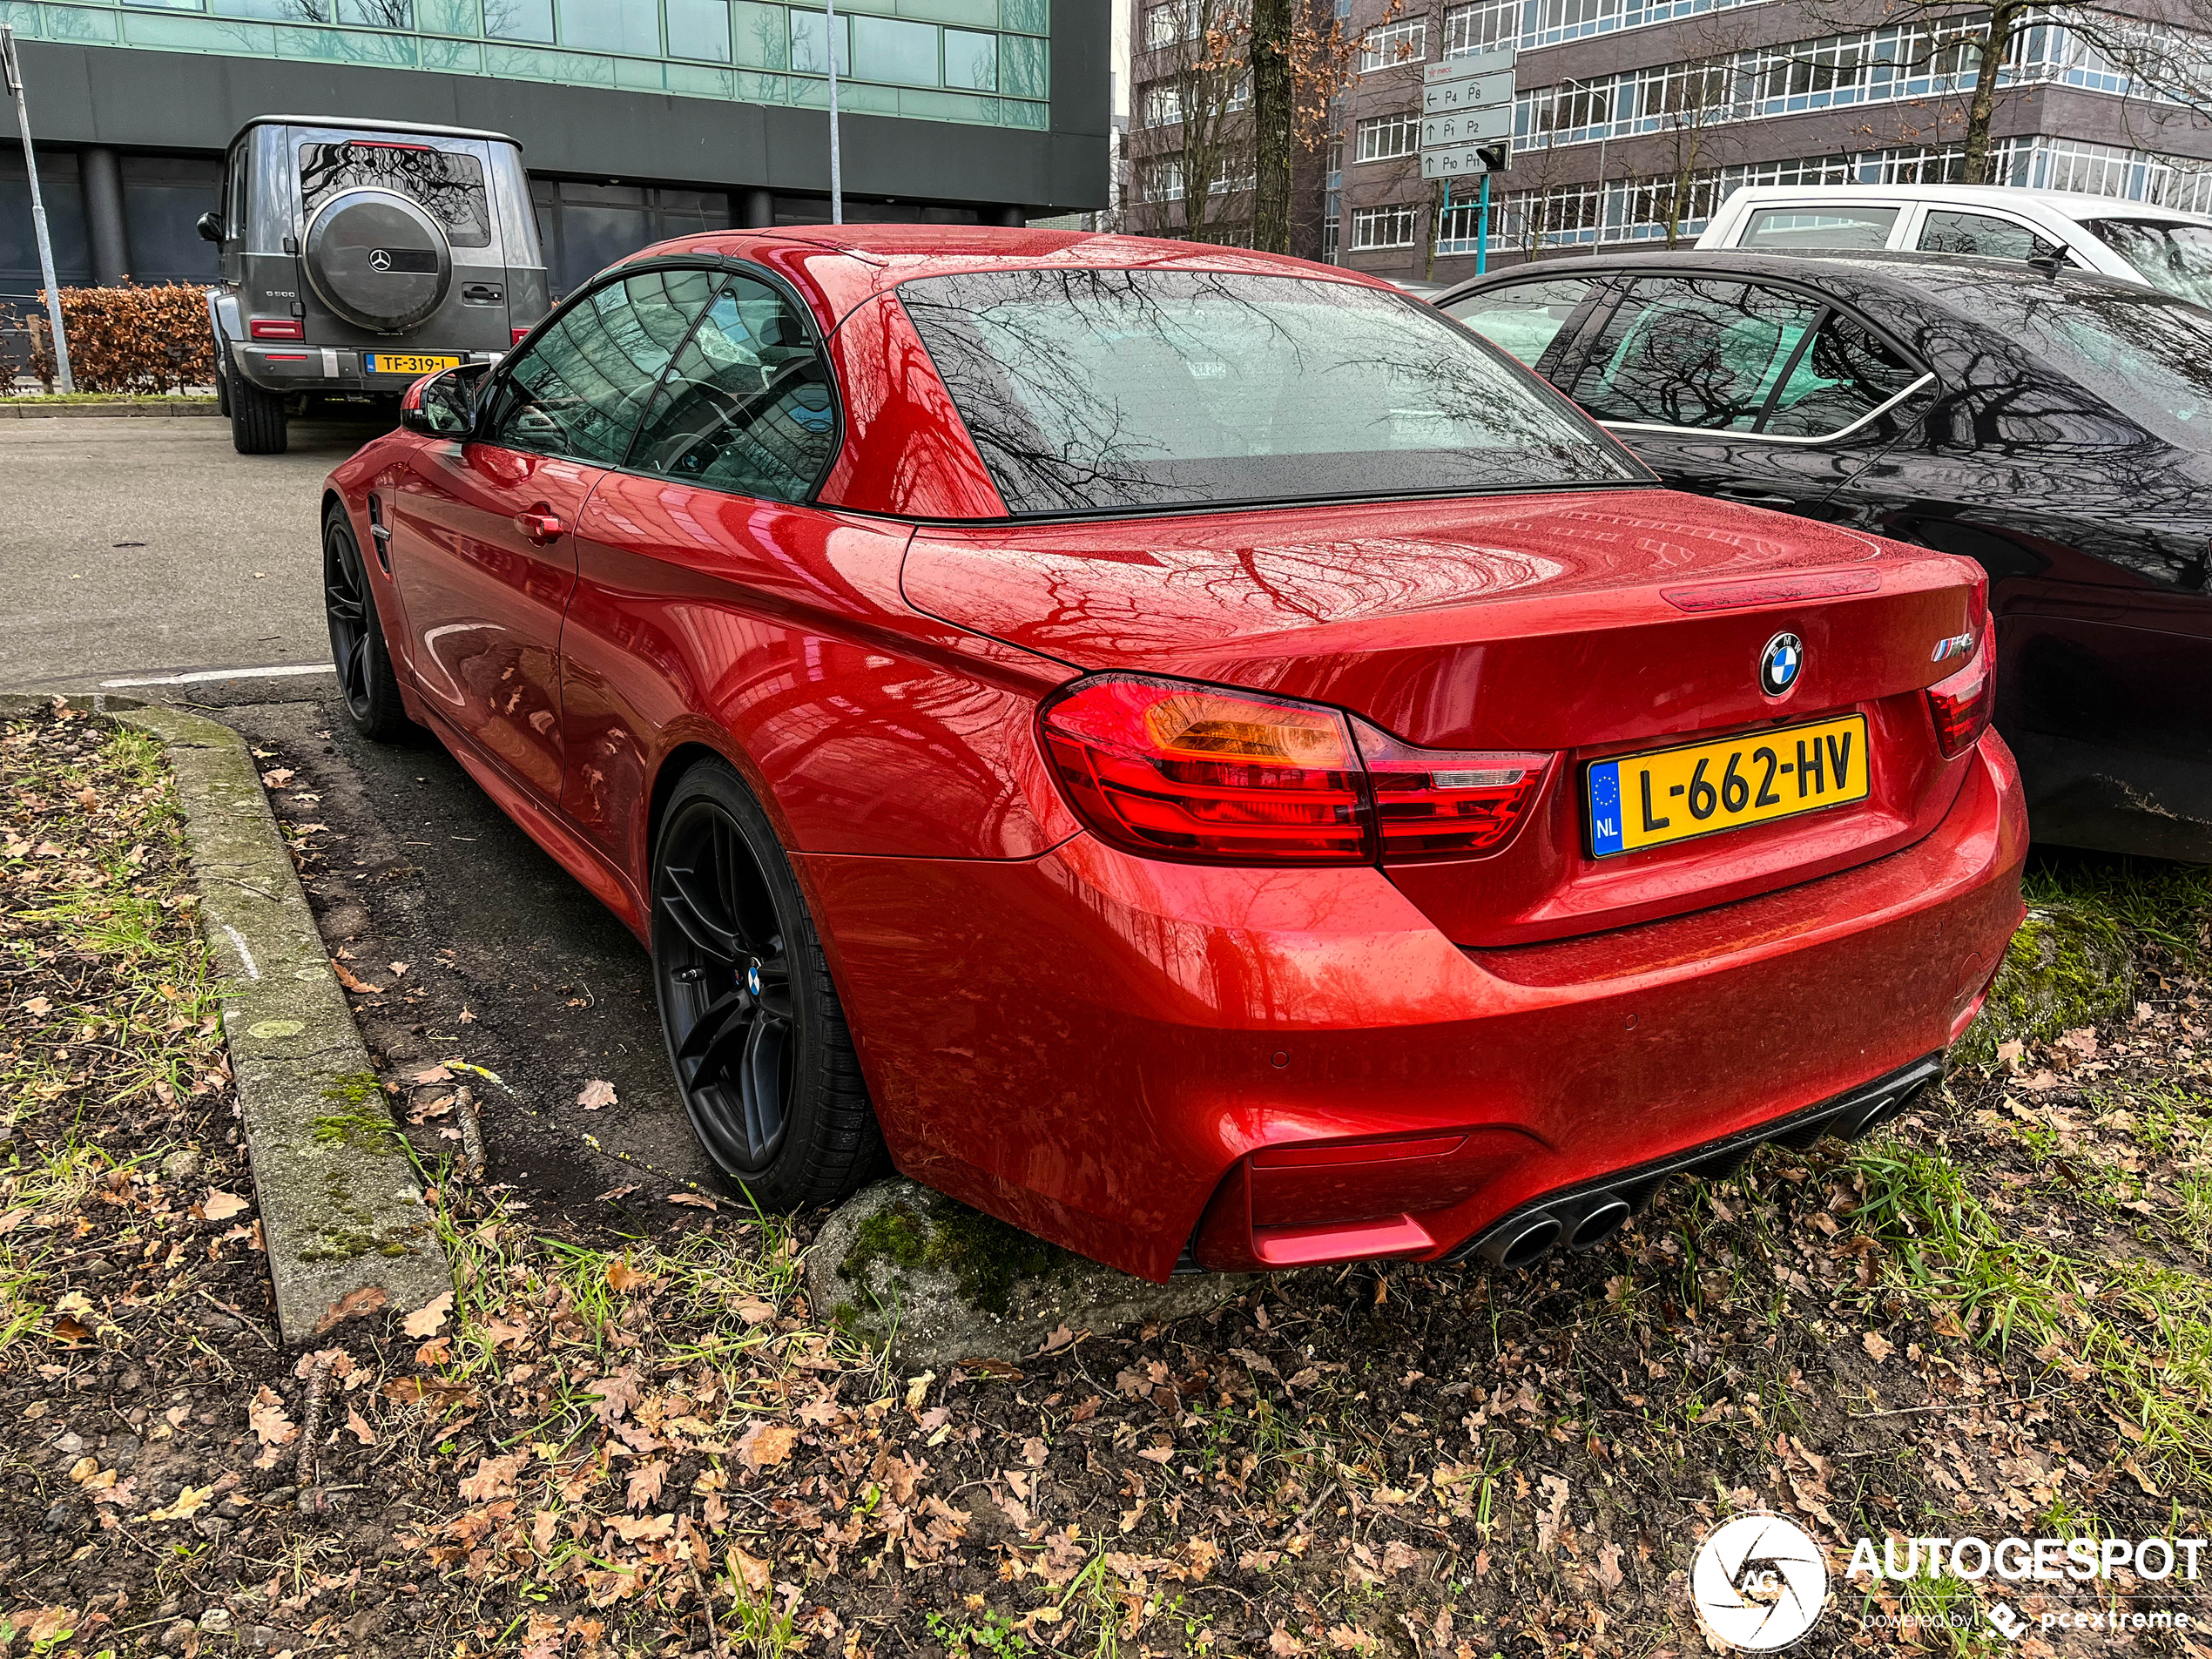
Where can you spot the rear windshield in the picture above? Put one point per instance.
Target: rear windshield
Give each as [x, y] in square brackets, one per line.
[447, 187]
[2146, 357]
[1093, 390]
[2176, 258]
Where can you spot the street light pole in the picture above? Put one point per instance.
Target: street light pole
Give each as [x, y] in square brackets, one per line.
[836, 174]
[62, 376]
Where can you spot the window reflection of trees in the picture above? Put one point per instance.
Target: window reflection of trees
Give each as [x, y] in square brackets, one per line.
[1693, 352]
[446, 185]
[579, 391]
[1109, 389]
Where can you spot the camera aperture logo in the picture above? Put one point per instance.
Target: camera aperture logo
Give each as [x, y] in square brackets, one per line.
[1759, 1583]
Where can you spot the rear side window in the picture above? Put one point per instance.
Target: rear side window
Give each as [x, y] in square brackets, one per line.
[580, 387]
[1846, 374]
[1693, 352]
[1097, 389]
[1985, 235]
[746, 405]
[1821, 227]
[2176, 258]
[446, 185]
[1526, 318]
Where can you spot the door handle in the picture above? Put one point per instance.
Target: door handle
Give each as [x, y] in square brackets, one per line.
[541, 526]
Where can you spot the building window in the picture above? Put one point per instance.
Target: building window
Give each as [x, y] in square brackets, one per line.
[1163, 25]
[1164, 182]
[1481, 27]
[1381, 227]
[1162, 105]
[1393, 44]
[1386, 138]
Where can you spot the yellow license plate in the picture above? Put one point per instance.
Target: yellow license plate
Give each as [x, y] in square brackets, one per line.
[1643, 800]
[382, 362]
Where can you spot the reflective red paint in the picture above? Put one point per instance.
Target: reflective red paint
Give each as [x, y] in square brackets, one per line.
[1266, 1063]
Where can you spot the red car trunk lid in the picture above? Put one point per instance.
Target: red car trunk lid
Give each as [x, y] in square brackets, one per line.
[1595, 624]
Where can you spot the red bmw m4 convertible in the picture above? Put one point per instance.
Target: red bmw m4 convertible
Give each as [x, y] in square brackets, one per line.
[1194, 753]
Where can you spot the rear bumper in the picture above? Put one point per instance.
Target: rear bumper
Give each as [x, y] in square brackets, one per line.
[284, 367]
[1097, 1047]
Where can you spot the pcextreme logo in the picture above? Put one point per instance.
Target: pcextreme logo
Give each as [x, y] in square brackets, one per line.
[1759, 1583]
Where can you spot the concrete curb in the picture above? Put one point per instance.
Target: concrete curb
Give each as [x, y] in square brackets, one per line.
[32, 409]
[341, 1209]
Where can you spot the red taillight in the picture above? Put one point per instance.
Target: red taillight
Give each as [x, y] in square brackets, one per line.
[277, 328]
[1960, 705]
[1439, 804]
[1176, 770]
[516, 335]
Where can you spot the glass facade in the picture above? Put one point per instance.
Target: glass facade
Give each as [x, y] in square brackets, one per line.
[984, 62]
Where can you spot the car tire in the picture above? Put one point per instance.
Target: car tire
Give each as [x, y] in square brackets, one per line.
[756, 1034]
[257, 419]
[222, 386]
[367, 685]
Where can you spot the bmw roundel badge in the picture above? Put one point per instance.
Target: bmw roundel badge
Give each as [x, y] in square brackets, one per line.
[1780, 663]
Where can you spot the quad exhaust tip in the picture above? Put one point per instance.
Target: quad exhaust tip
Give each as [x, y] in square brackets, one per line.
[1599, 1223]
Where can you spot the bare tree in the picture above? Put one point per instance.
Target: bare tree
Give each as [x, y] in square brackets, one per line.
[1273, 116]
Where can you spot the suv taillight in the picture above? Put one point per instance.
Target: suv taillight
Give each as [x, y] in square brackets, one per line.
[1960, 705]
[1173, 769]
[277, 328]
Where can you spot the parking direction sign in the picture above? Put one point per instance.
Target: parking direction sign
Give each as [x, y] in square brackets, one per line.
[1467, 126]
[1471, 92]
[1469, 66]
[1464, 161]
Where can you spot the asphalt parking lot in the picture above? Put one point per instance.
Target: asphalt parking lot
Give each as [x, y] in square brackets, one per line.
[145, 550]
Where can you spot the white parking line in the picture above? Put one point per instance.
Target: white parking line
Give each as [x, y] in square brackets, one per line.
[223, 674]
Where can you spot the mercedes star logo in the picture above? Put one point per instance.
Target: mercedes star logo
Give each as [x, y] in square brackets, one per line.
[381, 259]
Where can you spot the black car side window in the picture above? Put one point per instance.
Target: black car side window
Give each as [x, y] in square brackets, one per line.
[746, 405]
[1844, 375]
[1698, 352]
[1525, 318]
[1983, 235]
[578, 390]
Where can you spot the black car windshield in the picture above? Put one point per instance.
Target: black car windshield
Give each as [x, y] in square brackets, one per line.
[2174, 257]
[2149, 357]
[1090, 390]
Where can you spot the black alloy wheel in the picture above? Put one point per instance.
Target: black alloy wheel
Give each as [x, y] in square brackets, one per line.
[755, 1033]
[365, 678]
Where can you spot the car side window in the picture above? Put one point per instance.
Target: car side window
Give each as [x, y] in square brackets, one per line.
[1525, 318]
[1819, 225]
[578, 390]
[746, 406]
[1846, 374]
[1946, 230]
[1698, 351]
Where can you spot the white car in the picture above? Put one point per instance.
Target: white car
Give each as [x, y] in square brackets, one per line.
[2159, 247]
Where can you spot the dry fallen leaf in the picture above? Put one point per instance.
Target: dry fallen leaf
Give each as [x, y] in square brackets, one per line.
[766, 1443]
[268, 1419]
[645, 1483]
[697, 1200]
[1880, 1347]
[38, 1005]
[220, 1205]
[353, 982]
[427, 1320]
[189, 1503]
[622, 1276]
[597, 1093]
[359, 1426]
[353, 1306]
[433, 1075]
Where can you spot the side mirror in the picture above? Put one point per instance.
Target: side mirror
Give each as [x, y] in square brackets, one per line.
[211, 228]
[440, 406]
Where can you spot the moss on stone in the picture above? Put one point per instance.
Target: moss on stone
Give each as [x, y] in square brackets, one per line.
[984, 1257]
[2067, 968]
[354, 1088]
[369, 1132]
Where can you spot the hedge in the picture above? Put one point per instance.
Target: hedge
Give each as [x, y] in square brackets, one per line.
[131, 338]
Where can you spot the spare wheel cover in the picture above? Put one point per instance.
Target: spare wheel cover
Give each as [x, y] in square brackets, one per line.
[377, 260]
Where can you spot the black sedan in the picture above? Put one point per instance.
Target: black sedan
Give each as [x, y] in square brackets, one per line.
[2056, 427]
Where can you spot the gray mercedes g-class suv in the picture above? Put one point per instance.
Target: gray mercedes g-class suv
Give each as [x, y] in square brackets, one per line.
[358, 256]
